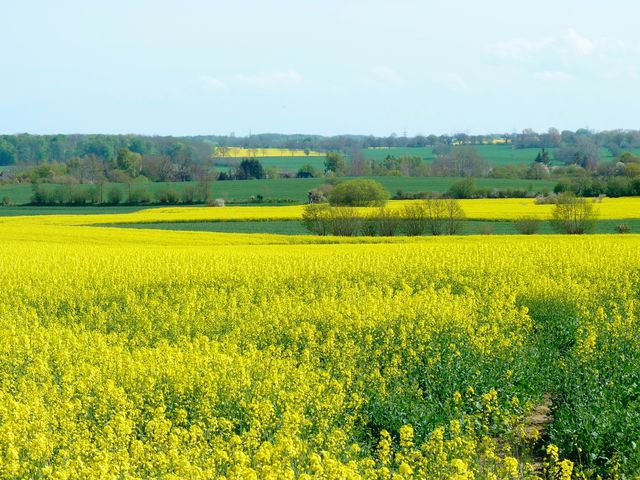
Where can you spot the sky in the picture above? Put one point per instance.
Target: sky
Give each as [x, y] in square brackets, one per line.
[195, 67]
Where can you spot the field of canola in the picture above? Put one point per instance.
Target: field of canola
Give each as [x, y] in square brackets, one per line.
[155, 354]
[480, 209]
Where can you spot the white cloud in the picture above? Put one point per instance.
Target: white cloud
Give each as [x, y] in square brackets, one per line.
[520, 48]
[453, 81]
[387, 74]
[212, 82]
[577, 43]
[271, 79]
[523, 49]
[553, 76]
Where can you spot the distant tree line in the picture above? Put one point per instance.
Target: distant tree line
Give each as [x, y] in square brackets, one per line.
[573, 159]
[29, 149]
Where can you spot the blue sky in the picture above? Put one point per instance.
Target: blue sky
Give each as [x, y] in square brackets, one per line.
[309, 66]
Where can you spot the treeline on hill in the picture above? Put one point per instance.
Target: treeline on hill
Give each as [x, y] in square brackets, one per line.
[580, 145]
[571, 158]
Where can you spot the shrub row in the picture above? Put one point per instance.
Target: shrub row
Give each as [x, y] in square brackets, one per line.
[44, 194]
[437, 216]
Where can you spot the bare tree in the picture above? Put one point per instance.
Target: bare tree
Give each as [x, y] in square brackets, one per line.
[574, 215]
[345, 221]
[388, 222]
[462, 161]
[415, 218]
[444, 216]
[454, 216]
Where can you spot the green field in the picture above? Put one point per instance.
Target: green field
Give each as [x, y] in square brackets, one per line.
[294, 227]
[295, 189]
[292, 164]
[16, 211]
[496, 155]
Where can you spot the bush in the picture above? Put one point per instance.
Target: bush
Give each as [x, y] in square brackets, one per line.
[388, 222]
[369, 226]
[114, 196]
[619, 186]
[463, 189]
[6, 201]
[359, 193]
[415, 219]
[454, 217]
[444, 216]
[308, 171]
[573, 215]
[527, 225]
[250, 168]
[40, 195]
[189, 194]
[167, 195]
[345, 221]
[77, 195]
[316, 218]
[623, 228]
[139, 196]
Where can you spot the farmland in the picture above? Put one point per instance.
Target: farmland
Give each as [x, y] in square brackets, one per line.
[495, 155]
[147, 353]
[319, 240]
[295, 189]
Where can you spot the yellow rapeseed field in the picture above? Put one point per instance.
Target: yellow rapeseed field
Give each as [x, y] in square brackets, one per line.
[480, 209]
[240, 152]
[130, 353]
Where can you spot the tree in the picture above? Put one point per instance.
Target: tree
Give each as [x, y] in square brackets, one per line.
[462, 161]
[444, 216]
[315, 217]
[527, 225]
[307, 171]
[345, 221]
[157, 167]
[415, 218]
[358, 164]
[139, 195]
[114, 195]
[388, 222]
[584, 152]
[573, 215]
[543, 157]
[203, 189]
[250, 168]
[454, 217]
[359, 193]
[463, 189]
[98, 145]
[182, 156]
[334, 162]
[8, 153]
[129, 162]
